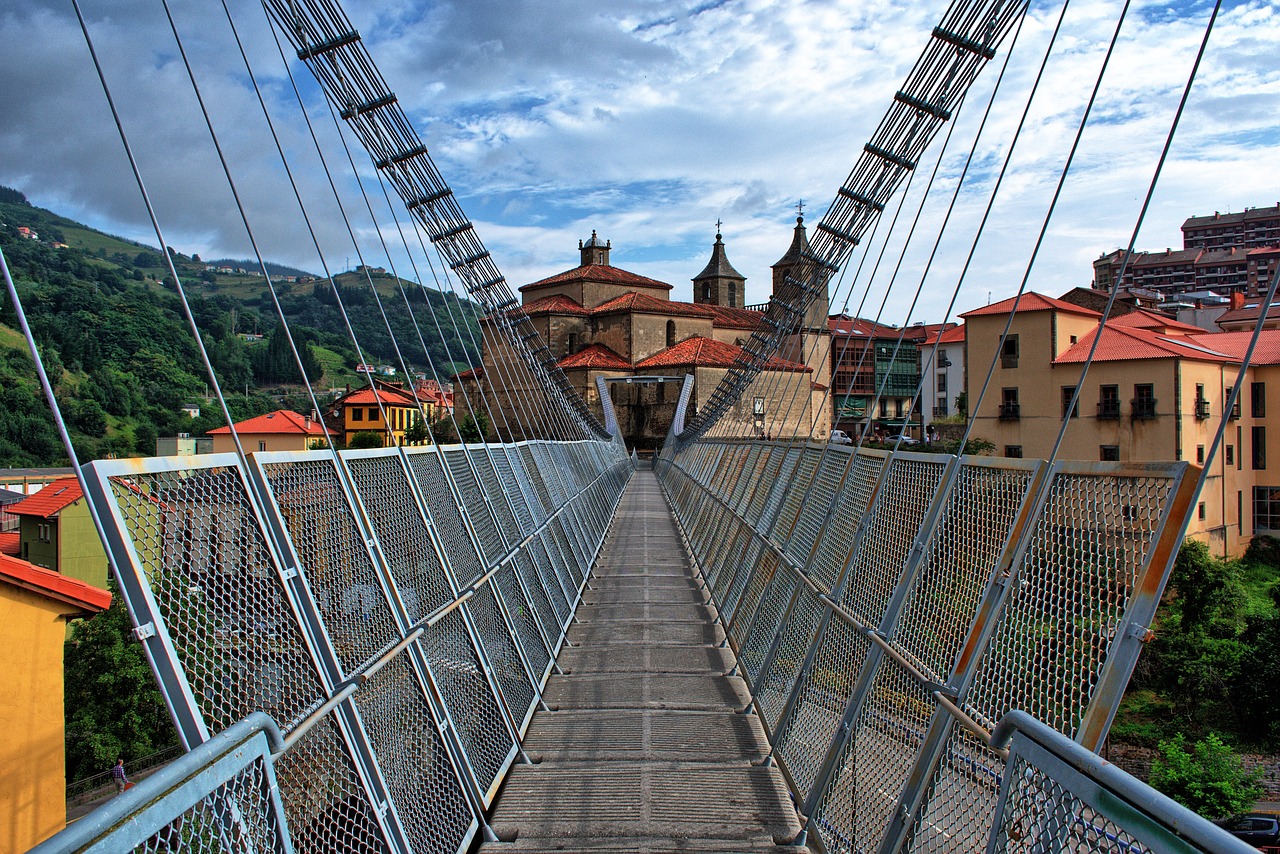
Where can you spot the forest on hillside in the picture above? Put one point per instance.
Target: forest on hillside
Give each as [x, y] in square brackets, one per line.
[123, 358]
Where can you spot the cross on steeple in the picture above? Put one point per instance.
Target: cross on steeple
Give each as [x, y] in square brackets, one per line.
[718, 224]
[800, 207]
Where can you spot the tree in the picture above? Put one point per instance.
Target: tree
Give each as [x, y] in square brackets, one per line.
[113, 708]
[366, 439]
[962, 403]
[474, 428]
[1210, 779]
[417, 433]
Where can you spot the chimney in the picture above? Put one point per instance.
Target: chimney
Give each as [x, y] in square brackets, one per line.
[1237, 300]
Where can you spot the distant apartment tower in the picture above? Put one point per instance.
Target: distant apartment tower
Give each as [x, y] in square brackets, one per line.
[1223, 253]
[1251, 228]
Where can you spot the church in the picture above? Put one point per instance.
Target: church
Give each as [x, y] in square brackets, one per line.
[603, 321]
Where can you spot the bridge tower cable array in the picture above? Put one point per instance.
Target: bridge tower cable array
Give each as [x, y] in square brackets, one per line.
[331, 47]
[958, 49]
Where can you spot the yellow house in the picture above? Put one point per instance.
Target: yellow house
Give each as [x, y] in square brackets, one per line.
[361, 413]
[1155, 391]
[282, 430]
[35, 604]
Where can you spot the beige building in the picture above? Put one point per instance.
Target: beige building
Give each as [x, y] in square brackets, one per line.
[601, 320]
[282, 430]
[1155, 391]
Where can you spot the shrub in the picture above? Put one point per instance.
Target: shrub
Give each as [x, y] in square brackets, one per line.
[1210, 779]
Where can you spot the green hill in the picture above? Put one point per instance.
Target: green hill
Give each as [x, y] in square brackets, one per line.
[122, 356]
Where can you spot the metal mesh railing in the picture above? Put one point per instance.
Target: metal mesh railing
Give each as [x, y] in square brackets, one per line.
[395, 610]
[888, 609]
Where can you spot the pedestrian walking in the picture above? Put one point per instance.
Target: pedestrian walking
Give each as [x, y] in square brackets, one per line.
[118, 777]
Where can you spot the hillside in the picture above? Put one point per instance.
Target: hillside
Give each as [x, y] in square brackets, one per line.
[123, 358]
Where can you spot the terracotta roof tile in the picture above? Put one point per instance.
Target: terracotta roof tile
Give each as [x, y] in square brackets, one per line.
[471, 373]
[1141, 318]
[1234, 344]
[368, 397]
[595, 357]
[597, 273]
[860, 327]
[1031, 301]
[10, 543]
[554, 304]
[710, 353]
[633, 301]
[73, 591]
[954, 335]
[48, 501]
[281, 421]
[724, 317]
[1248, 312]
[1120, 344]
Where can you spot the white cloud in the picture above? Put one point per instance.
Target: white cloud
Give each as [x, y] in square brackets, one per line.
[648, 122]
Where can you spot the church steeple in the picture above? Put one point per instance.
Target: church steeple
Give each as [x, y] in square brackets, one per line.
[793, 268]
[792, 259]
[594, 251]
[719, 283]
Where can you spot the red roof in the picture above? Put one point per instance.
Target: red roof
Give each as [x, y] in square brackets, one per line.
[554, 304]
[596, 357]
[49, 500]
[369, 397]
[281, 421]
[471, 373]
[73, 591]
[1141, 318]
[1125, 344]
[10, 543]
[633, 301]
[841, 325]
[598, 273]
[954, 335]
[1234, 345]
[1031, 301]
[1248, 312]
[733, 318]
[709, 353]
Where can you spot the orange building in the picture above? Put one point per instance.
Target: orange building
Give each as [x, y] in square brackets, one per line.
[361, 413]
[282, 430]
[35, 604]
[1156, 390]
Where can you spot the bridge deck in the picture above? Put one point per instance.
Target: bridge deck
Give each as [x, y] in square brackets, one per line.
[646, 748]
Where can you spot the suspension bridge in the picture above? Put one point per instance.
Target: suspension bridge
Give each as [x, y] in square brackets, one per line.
[537, 643]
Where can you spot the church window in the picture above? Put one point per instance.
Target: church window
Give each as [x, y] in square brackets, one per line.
[671, 333]
[571, 344]
[706, 292]
[733, 296]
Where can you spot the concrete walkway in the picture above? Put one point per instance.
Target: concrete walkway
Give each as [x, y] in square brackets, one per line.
[646, 748]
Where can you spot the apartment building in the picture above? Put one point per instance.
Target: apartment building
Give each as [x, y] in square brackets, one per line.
[1155, 390]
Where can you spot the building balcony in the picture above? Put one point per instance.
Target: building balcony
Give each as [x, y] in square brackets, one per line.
[1202, 409]
[1143, 408]
[1007, 361]
[1108, 410]
[1010, 412]
[939, 412]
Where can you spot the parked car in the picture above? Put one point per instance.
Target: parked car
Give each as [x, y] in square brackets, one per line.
[1256, 828]
[901, 438]
[839, 437]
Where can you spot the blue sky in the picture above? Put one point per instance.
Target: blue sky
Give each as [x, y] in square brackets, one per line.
[648, 121]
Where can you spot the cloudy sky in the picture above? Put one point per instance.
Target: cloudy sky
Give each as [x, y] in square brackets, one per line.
[647, 121]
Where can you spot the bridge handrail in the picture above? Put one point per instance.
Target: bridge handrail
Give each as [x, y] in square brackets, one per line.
[130, 819]
[1087, 783]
